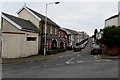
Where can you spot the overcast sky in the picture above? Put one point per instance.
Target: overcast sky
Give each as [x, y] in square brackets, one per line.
[77, 15]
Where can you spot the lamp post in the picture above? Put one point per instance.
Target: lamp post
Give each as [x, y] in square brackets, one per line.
[45, 45]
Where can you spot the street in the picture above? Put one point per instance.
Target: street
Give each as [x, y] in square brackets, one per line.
[72, 65]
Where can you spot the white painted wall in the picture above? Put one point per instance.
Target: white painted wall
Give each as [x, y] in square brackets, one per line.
[0, 45]
[111, 22]
[25, 14]
[119, 13]
[119, 19]
[28, 16]
[16, 45]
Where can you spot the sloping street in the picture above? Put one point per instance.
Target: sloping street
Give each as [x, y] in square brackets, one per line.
[70, 65]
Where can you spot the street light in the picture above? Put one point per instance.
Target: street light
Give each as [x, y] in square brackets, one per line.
[46, 25]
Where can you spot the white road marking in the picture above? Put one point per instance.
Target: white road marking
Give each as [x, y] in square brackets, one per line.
[107, 60]
[69, 61]
[80, 61]
[46, 65]
[59, 64]
[35, 67]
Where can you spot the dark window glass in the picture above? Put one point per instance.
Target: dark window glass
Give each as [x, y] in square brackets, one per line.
[31, 38]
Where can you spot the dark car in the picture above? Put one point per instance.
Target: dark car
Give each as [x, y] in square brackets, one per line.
[82, 46]
[95, 49]
[77, 47]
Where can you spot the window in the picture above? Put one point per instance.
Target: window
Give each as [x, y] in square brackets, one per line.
[31, 38]
[55, 31]
[62, 34]
[48, 29]
[51, 30]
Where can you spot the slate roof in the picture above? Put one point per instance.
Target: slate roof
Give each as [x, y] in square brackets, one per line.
[72, 31]
[42, 17]
[25, 24]
[62, 29]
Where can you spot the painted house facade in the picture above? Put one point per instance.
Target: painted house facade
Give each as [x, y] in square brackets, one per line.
[83, 35]
[119, 13]
[53, 36]
[63, 40]
[73, 37]
[119, 19]
[0, 43]
[19, 37]
[112, 21]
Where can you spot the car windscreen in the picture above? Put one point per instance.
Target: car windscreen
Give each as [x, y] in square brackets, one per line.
[97, 46]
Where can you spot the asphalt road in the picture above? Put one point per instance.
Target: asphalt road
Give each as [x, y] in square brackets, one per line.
[73, 65]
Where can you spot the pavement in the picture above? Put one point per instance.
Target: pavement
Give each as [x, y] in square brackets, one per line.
[37, 58]
[104, 56]
[34, 58]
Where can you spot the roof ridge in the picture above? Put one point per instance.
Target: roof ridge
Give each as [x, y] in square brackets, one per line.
[42, 16]
[37, 12]
[33, 10]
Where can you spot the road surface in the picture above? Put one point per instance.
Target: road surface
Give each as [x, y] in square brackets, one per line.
[73, 65]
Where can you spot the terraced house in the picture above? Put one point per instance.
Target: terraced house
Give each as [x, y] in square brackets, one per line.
[63, 39]
[73, 37]
[55, 36]
[24, 35]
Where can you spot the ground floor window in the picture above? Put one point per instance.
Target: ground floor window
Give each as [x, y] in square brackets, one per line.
[31, 38]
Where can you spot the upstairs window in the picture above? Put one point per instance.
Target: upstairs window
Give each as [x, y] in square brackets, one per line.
[55, 31]
[51, 30]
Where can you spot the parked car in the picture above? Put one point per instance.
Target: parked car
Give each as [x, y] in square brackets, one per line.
[77, 48]
[82, 46]
[86, 42]
[95, 49]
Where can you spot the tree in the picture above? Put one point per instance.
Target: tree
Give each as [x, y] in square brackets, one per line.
[111, 36]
